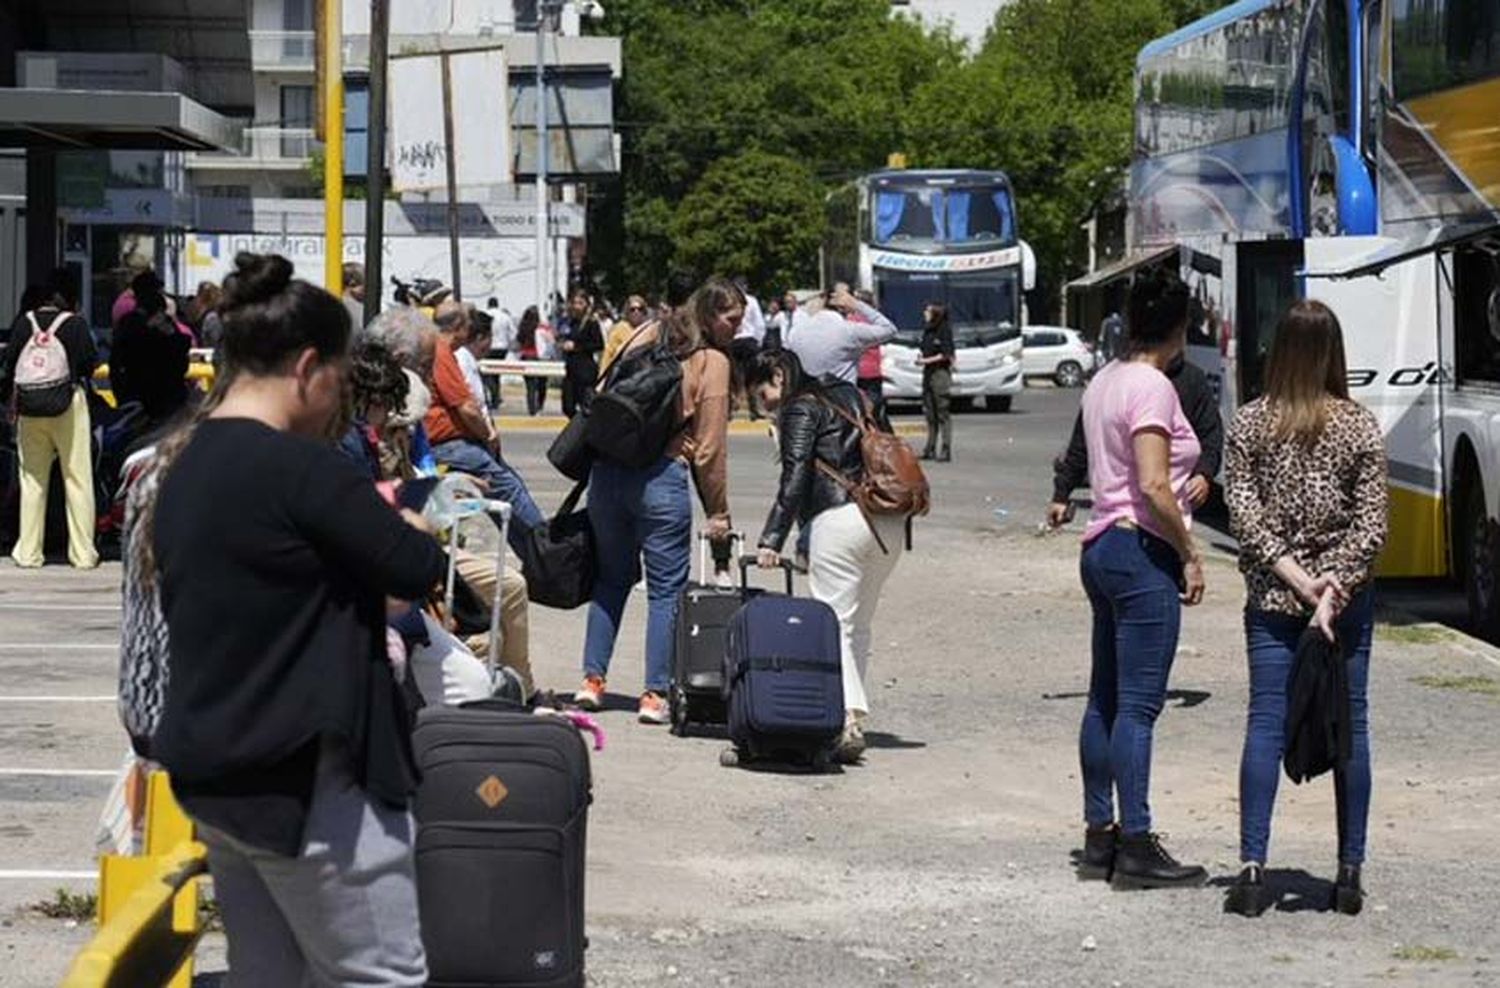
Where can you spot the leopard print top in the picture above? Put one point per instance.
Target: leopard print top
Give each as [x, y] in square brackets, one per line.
[1324, 505]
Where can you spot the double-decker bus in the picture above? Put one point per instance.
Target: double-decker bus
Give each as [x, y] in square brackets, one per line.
[914, 237]
[1345, 150]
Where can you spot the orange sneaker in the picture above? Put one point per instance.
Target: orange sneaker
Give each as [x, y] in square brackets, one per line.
[591, 696]
[654, 709]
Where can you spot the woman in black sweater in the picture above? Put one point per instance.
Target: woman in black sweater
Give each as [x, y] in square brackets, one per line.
[284, 732]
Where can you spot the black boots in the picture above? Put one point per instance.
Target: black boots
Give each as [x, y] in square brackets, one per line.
[1248, 896]
[946, 456]
[1142, 863]
[1099, 847]
[1348, 895]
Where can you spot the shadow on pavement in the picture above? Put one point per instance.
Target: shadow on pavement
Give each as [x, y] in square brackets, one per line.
[1296, 890]
[1185, 698]
[881, 741]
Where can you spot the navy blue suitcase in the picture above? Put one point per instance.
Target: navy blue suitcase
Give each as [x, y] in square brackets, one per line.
[783, 680]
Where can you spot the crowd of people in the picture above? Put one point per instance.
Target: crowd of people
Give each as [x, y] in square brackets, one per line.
[302, 635]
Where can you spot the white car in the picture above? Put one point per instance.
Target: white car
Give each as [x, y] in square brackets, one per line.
[987, 364]
[1059, 353]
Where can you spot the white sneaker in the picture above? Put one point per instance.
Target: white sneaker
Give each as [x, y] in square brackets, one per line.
[851, 744]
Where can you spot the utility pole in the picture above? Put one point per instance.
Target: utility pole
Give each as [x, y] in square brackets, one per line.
[380, 34]
[332, 97]
[543, 232]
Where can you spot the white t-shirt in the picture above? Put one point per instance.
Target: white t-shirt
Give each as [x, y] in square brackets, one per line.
[754, 325]
[469, 364]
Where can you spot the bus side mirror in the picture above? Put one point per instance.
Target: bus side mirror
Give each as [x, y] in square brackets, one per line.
[1028, 266]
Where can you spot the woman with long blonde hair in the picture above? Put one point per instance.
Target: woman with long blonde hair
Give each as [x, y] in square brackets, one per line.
[1307, 501]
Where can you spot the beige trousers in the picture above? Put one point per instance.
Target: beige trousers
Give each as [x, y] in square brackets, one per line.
[39, 441]
[515, 647]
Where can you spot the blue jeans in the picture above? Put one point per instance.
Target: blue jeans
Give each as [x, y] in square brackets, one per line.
[1271, 640]
[467, 456]
[638, 512]
[1132, 582]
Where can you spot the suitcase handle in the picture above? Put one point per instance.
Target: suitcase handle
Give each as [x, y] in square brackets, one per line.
[747, 560]
[704, 541]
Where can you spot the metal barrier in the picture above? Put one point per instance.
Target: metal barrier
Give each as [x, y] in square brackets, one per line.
[148, 905]
[521, 368]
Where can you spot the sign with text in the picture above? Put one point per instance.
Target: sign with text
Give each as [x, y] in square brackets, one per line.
[477, 96]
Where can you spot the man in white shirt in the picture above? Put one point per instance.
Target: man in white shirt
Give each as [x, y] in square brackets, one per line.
[829, 344]
[481, 333]
[753, 326]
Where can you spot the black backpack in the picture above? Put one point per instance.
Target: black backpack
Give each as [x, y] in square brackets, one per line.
[638, 411]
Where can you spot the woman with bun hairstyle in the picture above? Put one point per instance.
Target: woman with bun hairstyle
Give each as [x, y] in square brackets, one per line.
[1139, 566]
[284, 731]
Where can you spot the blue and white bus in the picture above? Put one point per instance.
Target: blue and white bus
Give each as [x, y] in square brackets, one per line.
[1345, 150]
[949, 236]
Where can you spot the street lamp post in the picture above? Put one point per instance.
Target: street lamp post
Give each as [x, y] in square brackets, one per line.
[544, 10]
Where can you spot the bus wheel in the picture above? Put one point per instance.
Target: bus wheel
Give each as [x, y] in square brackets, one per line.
[1482, 557]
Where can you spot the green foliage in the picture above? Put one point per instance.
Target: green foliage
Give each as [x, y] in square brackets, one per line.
[755, 214]
[727, 100]
[74, 906]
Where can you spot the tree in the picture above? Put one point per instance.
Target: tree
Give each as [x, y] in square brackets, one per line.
[757, 214]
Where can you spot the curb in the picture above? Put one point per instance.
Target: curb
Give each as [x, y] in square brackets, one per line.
[737, 427]
[1475, 648]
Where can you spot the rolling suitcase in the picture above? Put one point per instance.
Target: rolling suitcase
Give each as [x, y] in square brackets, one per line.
[703, 615]
[783, 677]
[502, 820]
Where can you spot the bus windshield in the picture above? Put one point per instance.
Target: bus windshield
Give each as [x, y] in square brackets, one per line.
[983, 307]
[914, 216]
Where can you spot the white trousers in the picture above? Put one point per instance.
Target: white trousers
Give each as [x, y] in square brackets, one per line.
[341, 914]
[846, 570]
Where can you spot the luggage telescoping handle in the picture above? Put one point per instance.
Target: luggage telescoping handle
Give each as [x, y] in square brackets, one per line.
[497, 509]
[703, 545]
[748, 560]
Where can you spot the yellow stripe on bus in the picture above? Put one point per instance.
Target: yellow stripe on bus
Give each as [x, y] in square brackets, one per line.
[1465, 123]
[1416, 545]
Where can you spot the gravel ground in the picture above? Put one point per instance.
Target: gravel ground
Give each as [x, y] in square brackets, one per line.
[943, 859]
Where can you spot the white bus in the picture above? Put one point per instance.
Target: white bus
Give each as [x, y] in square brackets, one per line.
[914, 237]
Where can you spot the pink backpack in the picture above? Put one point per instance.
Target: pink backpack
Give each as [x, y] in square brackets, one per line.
[44, 381]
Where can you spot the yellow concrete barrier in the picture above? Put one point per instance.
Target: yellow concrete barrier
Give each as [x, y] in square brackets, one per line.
[148, 905]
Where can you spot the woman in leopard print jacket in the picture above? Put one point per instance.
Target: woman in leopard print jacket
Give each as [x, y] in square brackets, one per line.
[1307, 501]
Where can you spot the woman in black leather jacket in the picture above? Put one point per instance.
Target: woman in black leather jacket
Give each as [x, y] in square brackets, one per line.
[848, 563]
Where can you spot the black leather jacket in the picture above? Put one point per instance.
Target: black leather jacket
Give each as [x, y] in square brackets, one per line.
[811, 431]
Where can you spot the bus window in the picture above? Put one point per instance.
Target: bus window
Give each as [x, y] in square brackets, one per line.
[1267, 286]
[1476, 316]
[905, 215]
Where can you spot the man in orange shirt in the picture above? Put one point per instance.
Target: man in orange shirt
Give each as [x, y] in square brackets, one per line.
[463, 437]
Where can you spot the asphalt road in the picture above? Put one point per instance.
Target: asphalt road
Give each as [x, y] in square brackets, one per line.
[942, 860]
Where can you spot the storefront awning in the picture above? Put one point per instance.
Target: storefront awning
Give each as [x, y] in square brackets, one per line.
[1430, 242]
[1123, 267]
[70, 119]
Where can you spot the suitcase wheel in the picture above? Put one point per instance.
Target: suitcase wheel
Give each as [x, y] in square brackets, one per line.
[729, 758]
[677, 703]
[822, 760]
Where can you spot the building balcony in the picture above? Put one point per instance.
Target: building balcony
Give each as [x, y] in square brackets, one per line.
[265, 147]
[282, 51]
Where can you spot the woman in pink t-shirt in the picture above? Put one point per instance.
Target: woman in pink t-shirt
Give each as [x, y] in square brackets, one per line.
[1139, 567]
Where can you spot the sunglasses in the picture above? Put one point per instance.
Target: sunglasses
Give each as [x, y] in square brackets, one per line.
[635, 308]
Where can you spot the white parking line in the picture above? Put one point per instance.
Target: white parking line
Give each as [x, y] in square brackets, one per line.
[63, 773]
[101, 698]
[43, 875]
[56, 647]
[13, 605]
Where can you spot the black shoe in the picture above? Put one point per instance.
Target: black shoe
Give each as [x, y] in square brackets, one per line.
[944, 457]
[928, 454]
[1099, 847]
[1348, 895]
[1142, 863]
[1248, 896]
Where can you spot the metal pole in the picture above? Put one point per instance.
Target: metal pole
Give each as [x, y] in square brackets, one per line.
[448, 155]
[333, 145]
[542, 231]
[380, 31]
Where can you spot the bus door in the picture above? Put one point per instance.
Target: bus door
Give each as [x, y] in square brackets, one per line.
[1266, 284]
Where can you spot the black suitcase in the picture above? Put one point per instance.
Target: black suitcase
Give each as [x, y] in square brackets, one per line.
[502, 821]
[783, 677]
[703, 615]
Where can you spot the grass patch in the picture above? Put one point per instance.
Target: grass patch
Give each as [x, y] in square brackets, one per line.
[1413, 634]
[1417, 952]
[1483, 685]
[81, 908]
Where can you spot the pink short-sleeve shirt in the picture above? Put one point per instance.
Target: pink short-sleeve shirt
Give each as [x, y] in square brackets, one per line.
[1125, 398]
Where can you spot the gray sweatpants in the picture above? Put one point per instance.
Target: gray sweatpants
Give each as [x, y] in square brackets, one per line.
[342, 913]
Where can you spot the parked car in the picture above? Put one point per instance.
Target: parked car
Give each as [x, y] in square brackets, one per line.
[1059, 353]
